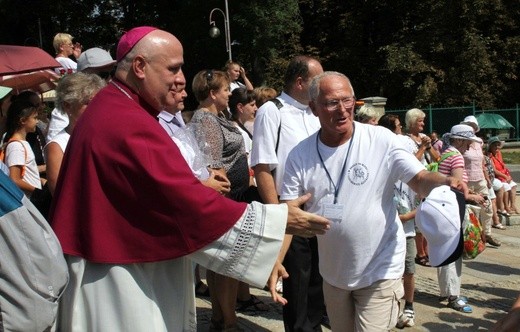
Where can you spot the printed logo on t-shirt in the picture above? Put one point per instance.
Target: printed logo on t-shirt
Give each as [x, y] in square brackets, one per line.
[358, 174]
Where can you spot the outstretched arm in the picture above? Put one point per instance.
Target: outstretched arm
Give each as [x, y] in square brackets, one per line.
[423, 182]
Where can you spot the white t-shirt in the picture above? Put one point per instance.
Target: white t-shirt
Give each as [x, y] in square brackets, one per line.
[405, 200]
[62, 139]
[67, 66]
[414, 147]
[235, 85]
[19, 153]
[367, 243]
[57, 123]
[248, 143]
[297, 123]
[404, 194]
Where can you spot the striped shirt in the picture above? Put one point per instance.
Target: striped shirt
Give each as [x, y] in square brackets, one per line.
[453, 162]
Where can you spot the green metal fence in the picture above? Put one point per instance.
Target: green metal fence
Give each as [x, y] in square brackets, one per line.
[441, 119]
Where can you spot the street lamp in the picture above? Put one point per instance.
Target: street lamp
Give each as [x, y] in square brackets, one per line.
[214, 32]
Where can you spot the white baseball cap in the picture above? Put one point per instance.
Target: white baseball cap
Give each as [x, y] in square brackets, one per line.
[94, 58]
[471, 120]
[439, 218]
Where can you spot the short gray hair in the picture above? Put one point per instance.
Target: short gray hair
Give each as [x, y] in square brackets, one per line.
[412, 116]
[77, 89]
[314, 88]
[366, 112]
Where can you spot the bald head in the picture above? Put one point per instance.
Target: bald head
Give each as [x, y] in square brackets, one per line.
[153, 69]
[155, 43]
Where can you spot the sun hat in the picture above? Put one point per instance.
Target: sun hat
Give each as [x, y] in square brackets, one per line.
[94, 57]
[439, 218]
[129, 39]
[471, 121]
[4, 91]
[494, 139]
[463, 131]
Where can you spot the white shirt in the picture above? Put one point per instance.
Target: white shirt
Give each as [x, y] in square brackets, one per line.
[19, 153]
[235, 85]
[297, 123]
[248, 143]
[404, 194]
[171, 122]
[367, 243]
[59, 120]
[67, 66]
[62, 139]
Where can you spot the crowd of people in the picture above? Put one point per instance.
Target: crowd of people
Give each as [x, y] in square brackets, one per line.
[258, 188]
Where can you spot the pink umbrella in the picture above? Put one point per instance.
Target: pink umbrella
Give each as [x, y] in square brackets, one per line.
[38, 81]
[25, 67]
[24, 59]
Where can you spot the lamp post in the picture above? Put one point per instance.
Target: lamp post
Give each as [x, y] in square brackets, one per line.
[214, 32]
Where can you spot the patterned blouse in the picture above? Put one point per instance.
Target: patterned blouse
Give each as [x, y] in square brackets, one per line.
[221, 140]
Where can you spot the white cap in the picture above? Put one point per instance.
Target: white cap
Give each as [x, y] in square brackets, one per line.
[94, 58]
[471, 121]
[439, 218]
[463, 131]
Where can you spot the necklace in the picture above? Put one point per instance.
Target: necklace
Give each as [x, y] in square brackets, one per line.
[121, 89]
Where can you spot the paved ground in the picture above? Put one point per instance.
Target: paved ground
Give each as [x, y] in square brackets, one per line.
[491, 281]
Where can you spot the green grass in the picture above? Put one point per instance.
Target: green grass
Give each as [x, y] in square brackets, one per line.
[511, 157]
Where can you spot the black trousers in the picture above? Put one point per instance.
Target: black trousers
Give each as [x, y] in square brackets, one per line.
[304, 287]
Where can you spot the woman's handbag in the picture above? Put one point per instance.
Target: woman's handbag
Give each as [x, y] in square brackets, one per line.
[474, 238]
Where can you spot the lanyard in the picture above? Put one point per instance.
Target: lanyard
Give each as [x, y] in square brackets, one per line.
[341, 176]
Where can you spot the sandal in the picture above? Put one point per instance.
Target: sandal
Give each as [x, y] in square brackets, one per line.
[253, 304]
[424, 261]
[499, 226]
[201, 289]
[460, 304]
[504, 213]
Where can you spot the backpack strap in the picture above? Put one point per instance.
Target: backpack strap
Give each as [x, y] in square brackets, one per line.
[446, 155]
[278, 104]
[24, 150]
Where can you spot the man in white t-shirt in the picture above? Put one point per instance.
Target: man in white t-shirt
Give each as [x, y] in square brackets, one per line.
[351, 168]
[279, 128]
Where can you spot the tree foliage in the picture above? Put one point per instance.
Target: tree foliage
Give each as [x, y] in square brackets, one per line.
[414, 53]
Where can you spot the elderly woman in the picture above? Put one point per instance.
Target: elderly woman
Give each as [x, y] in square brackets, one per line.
[456, 143]
[73, 94]
[422, 148]
[367, 114]
[222, 141]
[478, 179]
[503, 174]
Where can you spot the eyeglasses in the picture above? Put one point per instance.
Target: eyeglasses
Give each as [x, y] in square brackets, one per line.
[209, 75]
[333, 104]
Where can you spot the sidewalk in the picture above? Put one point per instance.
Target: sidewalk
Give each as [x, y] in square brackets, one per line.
[491, 282]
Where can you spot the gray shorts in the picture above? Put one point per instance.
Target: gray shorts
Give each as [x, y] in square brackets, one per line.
[411, 252]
